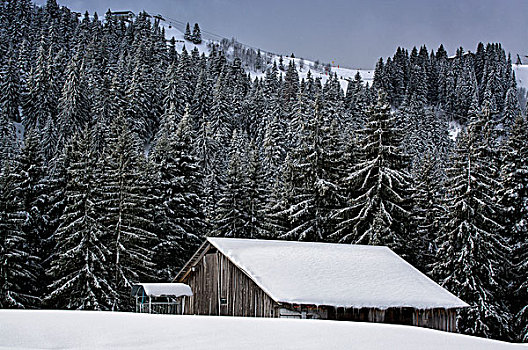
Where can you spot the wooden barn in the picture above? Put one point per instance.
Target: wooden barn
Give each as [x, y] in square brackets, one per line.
[260, 278]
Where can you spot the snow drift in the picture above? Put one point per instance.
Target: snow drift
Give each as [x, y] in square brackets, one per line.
[102, 330]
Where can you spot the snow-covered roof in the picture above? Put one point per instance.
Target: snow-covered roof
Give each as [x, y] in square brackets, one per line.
[166, 289]
[334, 274]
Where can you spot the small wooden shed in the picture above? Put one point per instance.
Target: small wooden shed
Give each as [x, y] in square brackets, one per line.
[265, 278]
[160, 298]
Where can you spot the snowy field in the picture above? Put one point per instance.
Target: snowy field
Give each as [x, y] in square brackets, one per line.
[105, 330]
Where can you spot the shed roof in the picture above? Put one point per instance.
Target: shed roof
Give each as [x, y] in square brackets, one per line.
[165, 289]
[334, 274]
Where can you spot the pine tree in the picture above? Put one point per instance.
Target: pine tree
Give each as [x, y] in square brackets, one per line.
[514, 197]
[179, 204]
[196, 36]
[311, 182]
[379, 185]
[428, 211]
[32, 184]
[231, 218]
[39, 101]
[512, 110]
[80, 268]
[10, 90]
[472, 252]
[74, 107]
[126, 219]
[257, 194]
[141, 112]
[187, 35]
[16, 273]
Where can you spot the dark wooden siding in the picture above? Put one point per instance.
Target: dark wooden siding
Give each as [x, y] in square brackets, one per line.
[440, 319]
[221, 288]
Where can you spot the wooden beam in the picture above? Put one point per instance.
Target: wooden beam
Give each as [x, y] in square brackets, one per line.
[184, 272]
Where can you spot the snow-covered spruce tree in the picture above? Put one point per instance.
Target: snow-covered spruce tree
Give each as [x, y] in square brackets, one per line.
[311, 176]
[178, 206]
[74, 103]
[196, 36]
[379, 184]
[356, 103]
[81, 267]
[201, 101]
[139, 95]
[221, 117]
[125, 218]
[428, 211]
[187, 35]
[186, 81]
[231, 218]
[38, 105]
[511, 112]
[472, 254]
[33, 186]
[257, 193]
[15, 256]
[10, 99]
[515, 200]
[172, 91]
[254, 121]
[15, 272]
[290, 87]
[207, 151]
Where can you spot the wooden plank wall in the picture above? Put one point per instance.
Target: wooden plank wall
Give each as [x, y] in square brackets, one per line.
[440, 319]
[216, 278]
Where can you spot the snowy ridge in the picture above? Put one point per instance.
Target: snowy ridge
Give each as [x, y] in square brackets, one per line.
[340, 275]
[344, 74]
[48, 329]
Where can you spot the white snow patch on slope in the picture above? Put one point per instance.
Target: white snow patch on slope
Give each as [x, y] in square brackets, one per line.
[335, 274]
[170, 32]
[454, 129]
[51, 329]
[521, 74]
[344, 74]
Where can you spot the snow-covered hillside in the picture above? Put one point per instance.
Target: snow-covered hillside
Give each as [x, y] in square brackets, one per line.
[104, 330]
[344, 74]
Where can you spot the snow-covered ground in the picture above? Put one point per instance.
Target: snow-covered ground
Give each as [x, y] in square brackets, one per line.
[521, 73]
[47, 329]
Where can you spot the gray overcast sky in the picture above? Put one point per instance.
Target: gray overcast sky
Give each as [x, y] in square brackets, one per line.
[353, 33]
